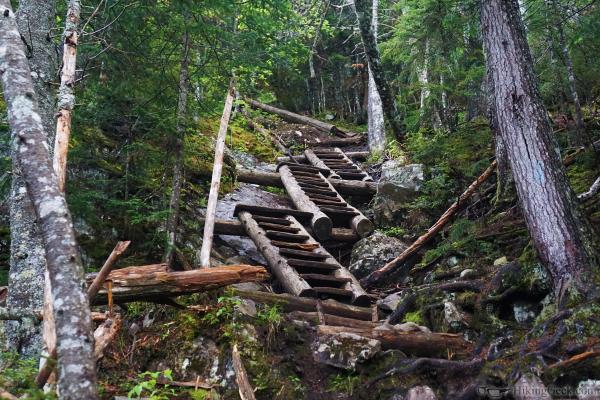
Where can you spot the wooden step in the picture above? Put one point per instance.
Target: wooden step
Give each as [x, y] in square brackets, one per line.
[322, 192]
[329, 156]
[295, 246]
[313, 182]
[335, 293]
[321, 202]
[302, 254]
[311, 186]
[311, 265]
[321, 280]
[351, 175]
[270, 211]
[309, 175]
[272, 220]
[278, 228]
[322, 197]
[287, 237]
[339, 211]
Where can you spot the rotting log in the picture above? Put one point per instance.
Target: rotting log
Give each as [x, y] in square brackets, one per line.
[357, 155]
[419, 343]
[105, 334]
[241, 377]
[154, 281]
[284, 273]
[375, 276]
[235, 228]
[320, 223]
[274, 179]
[289, 303]
[300, 119]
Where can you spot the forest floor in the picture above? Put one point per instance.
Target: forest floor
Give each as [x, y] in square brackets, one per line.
[480, 278]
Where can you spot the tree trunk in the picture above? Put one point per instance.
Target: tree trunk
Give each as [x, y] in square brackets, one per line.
[173, 219]
[66, 97]
[35, 19]
[376, 123]
[213, 196]
[364, 10]
[576, 138]
[561, 234]
[77, 373]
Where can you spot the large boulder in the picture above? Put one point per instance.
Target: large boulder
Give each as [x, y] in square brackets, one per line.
[398, 185]
[345, 350]
[374, 252]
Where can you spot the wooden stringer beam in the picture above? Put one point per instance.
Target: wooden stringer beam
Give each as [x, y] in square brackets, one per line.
[302, 266]
[310, 191]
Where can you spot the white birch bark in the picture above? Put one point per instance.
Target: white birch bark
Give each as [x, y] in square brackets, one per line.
[76, 366]
[376, 124]
[35, 19]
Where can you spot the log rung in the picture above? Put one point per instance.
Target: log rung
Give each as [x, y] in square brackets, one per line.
[333, 210]
[322, 280]
[320, 202]
[292, 237]
[302, 254]
[295, 246]
[318, 265]
[326, 198]
[333, 292]
[271, 220]
[322, 192]
[269, 211]
[277, 227]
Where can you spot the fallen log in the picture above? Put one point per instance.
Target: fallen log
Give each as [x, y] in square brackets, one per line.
[357, 155]
[301, 119]
[375, 276]
[419, 343]
[154, 281]
[241, 377]
[105, 334]
[289, 303]
[274, 179]
[106, 268]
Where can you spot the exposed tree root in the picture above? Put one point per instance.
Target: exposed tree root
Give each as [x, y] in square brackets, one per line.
[414, 365]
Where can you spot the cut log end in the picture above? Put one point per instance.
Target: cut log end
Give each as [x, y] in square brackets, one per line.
[322, 227]
[364, 227]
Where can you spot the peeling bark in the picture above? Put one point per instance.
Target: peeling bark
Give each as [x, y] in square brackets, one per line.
[66, 97]
[560, 232]
[77, 375]
[35, 19]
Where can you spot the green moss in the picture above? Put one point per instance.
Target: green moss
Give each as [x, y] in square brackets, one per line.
[414, 316]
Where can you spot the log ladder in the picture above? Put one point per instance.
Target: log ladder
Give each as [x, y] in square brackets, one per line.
[302, 266]
[311, 192]
[338, 163]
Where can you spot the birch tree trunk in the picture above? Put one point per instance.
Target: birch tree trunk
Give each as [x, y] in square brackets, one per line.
[173, 219]
[560, 233]
[376, 123]
[35, 19]
[364, 12]
[66, 97]
[77, 374]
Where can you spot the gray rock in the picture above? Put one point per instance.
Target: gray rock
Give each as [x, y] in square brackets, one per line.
[454, 318]
[420, 393]
[390, 302]
[398, 185]
[525, 312]
[246, 307]
[588, 390]
[345, 350]
[500, 261]
[452, 261]
[373, 252]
